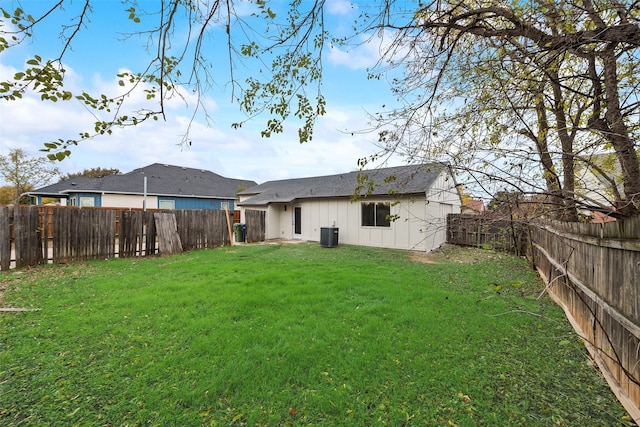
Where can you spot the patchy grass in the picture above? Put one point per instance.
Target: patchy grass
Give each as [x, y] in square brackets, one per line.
[294, 335]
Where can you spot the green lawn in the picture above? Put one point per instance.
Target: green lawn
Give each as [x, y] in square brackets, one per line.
[294, 335]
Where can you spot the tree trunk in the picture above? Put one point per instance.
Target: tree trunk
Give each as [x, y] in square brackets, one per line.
[570, 212]
[551, 178]
[619, 136]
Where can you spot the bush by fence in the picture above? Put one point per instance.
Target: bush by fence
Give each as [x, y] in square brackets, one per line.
[31, 235]
[592, 271]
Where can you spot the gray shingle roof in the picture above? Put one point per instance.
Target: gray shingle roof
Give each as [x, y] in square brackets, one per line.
[165, 180]
[412, 179]
[55, 190]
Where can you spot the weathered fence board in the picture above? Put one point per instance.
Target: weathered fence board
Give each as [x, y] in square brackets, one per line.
[130, 236]
[6, 214]
[169, 241]
[486, 232]
[80, 234]
[255, 221]
[32, 235]
[149, 231]
[28, 246]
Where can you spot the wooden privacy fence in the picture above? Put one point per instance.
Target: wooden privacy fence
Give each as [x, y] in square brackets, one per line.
[31, 235]
[486, 232]
[593, 272]
[256, 230]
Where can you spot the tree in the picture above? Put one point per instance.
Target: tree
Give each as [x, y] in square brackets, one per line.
[482, 79]
[26, 173]
[7, 194]
[97, 172]
[181, 63]
[512, 93]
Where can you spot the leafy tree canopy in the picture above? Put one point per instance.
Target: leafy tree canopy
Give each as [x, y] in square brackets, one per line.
[7, 195]
[96, 172]
[25, 173]
[511, 93]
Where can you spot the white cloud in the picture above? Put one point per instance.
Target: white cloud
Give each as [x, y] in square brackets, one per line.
[365, 54]
[341, 7]
[28, 123]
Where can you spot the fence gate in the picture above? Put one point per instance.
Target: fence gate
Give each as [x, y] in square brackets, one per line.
[256, 221]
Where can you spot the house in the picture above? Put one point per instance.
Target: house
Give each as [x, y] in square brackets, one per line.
[56, 191]
[599, 186]
[161, 186]
[399, 207]
[472, 207]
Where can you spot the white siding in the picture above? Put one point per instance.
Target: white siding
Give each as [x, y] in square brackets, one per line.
[411, 231]
[421, 224]
[128, 201]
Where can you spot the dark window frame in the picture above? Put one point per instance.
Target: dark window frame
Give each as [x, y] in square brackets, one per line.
[375, 214]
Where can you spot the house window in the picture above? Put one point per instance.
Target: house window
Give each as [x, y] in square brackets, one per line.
[166, 204]
[87, 201]
[376, 214]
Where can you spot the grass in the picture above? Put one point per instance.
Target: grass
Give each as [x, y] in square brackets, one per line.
[294, 335]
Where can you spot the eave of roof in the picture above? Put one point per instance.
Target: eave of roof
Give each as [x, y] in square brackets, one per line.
[129, 193]
[400, 180]
[162, 180]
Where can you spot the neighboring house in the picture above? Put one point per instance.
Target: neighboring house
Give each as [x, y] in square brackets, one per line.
[167, 187]
[473, 207]
[598, 177]
[405, 209]
[57, 191]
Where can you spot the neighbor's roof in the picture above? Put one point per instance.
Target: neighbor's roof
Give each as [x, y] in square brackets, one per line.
[162, 180]
[412, 179]
[57, 189]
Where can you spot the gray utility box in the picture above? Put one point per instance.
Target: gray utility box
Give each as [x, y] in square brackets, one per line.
[329, 237]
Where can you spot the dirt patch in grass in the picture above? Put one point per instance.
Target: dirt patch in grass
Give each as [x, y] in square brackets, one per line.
[283, 241]
[460, 254]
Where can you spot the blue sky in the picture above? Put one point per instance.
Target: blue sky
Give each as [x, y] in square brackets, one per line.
[100, 53]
